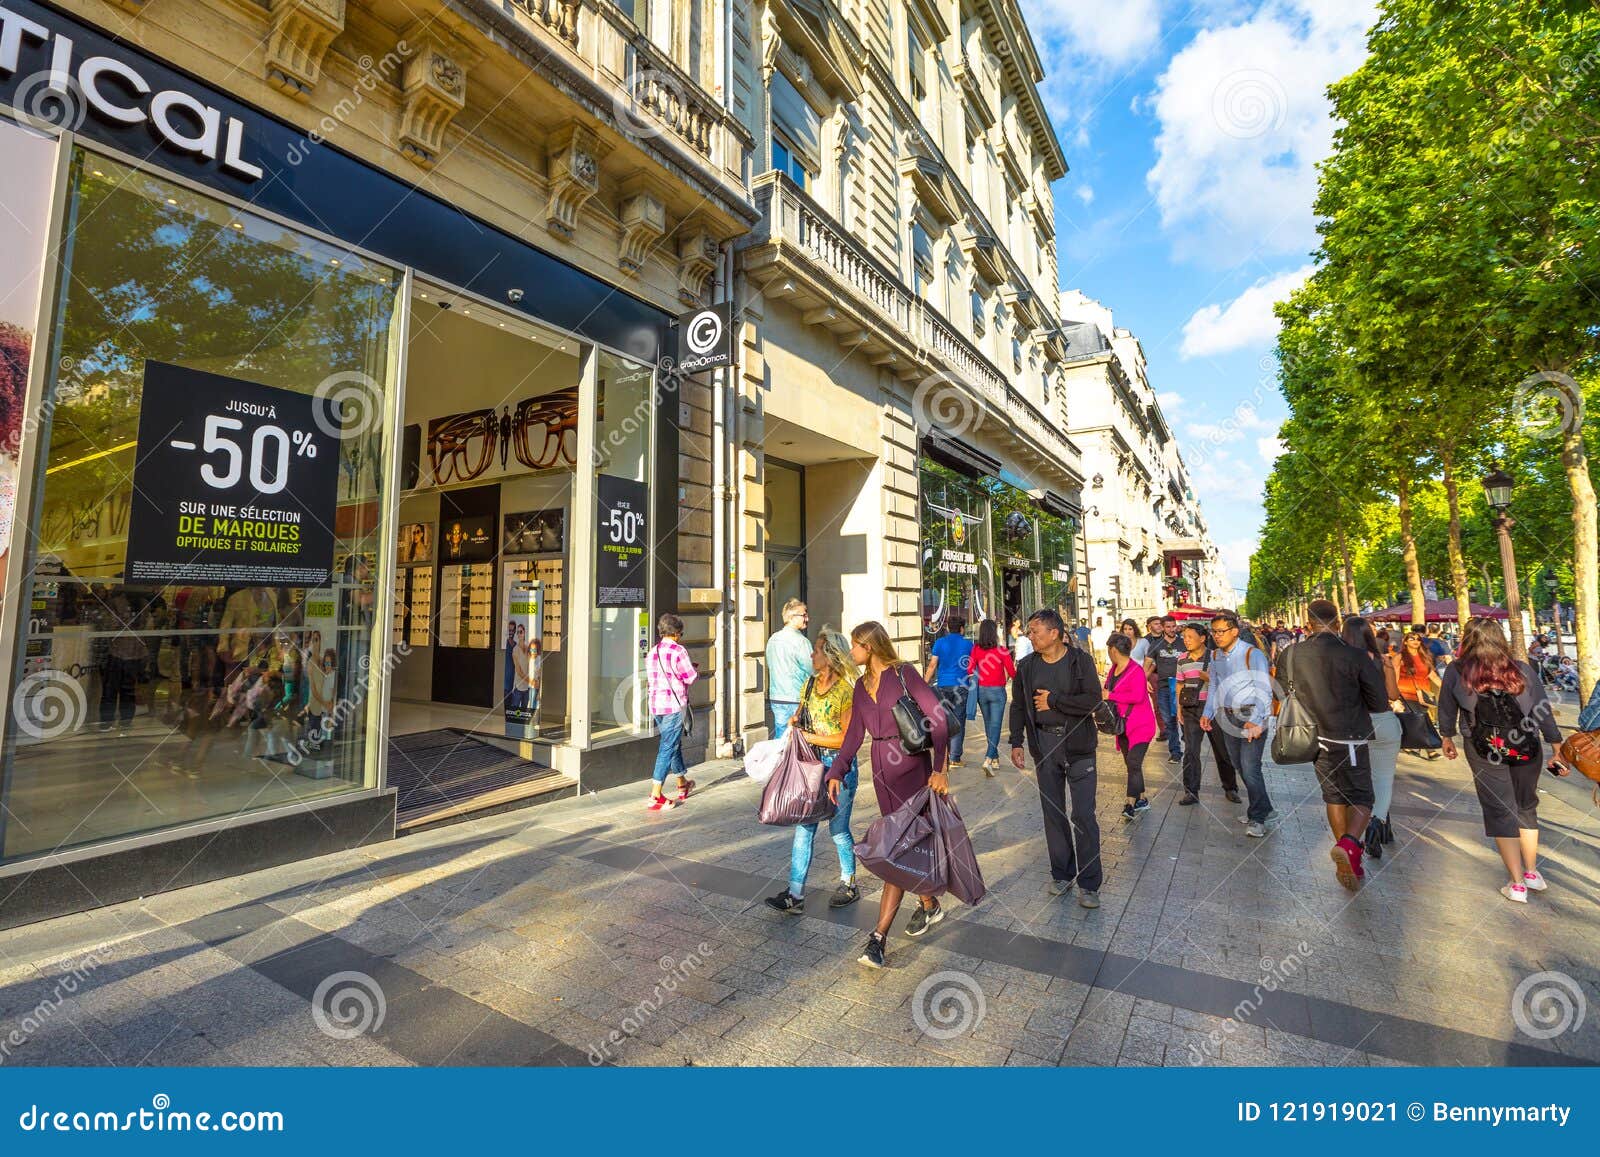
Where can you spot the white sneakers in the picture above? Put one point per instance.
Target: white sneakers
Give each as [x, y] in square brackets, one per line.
[1516, 893]
[1534, 882]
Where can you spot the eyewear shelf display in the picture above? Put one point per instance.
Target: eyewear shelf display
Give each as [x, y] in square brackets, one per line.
[413, 606]
[466, 606]
[546, 571]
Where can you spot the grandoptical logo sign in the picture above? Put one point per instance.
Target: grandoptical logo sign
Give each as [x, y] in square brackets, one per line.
[235, 483]
[623, 534]
[705, 338]
[47, 78]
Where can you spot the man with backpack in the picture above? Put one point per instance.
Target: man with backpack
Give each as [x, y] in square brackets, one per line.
[1506, 711]
[1239, 702]
[1339, 687]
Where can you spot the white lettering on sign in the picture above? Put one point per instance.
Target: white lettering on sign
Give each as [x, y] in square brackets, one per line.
[116, 91]
[958, 562]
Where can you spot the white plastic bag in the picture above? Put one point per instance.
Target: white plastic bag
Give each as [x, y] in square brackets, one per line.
[762, 759]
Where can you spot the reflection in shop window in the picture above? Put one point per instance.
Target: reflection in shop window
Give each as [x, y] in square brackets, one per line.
[208, 692]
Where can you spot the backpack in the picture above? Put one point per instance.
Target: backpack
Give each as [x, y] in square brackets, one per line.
[1501, 732]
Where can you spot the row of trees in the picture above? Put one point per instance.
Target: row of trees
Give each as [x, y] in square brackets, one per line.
[1452, 318]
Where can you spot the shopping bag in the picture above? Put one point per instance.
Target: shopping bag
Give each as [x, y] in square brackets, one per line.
[903, 848]
[963, 879]
[795, 794]
[1417, 732]
[762, 759]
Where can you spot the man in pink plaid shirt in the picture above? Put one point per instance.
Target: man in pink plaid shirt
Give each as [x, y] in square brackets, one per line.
[670, 672]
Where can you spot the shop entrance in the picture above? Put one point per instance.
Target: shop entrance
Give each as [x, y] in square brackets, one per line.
[490, 446]
[1014, 592]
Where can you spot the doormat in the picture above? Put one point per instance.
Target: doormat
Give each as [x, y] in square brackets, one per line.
[445, 773]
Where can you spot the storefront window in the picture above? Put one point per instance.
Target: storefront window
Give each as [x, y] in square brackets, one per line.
[620, 627]
[1016, 549]
[1058, 551]
[957, 555]
[205, 540]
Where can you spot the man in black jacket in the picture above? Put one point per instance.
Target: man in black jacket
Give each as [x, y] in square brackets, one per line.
[1052, 700]
[1340, 687]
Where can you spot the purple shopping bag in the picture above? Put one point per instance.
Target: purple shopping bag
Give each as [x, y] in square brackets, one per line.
[903, 848]
[964, 881]
[795, 794]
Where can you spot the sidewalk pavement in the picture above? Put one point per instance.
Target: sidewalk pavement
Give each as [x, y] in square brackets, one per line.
[595, 932]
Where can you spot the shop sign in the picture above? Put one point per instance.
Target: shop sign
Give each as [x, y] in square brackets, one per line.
[1061, 574]
[1017, 562]
[623, 536]
[112, 90]
[705, 338]
[235, 483]
[957, 562]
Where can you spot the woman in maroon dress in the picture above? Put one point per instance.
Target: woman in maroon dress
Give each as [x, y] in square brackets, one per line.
[896, 776]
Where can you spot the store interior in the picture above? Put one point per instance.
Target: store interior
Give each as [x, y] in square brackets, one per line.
[489, 448]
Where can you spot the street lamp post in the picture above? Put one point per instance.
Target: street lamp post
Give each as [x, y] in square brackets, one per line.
[1552, 584]
[1497, 492]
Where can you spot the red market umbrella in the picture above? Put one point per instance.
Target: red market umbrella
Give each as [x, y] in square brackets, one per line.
[1189, 611]
[1435, 611]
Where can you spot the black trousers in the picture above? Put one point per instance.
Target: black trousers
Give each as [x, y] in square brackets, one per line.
[1192, 739]
[1071, 832]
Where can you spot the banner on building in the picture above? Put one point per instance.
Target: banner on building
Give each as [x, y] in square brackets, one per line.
[622, 531]
[524, 633]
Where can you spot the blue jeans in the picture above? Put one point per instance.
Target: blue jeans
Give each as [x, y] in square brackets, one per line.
[781, 714]
[954, 699]
[1167, 707]
[1246, 756]
[993, 702]
[805, 835]
[669, 756]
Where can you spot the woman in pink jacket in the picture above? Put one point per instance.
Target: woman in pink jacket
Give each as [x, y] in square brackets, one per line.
[1128, 691]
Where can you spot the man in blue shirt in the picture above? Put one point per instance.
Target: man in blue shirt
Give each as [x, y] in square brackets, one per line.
[788, 665]
[949, 673]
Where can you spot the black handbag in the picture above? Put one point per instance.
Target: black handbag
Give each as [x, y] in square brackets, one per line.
[1107, 719]
[1189, 689]
[916, 731]
[1295, 741]
[1417, 732]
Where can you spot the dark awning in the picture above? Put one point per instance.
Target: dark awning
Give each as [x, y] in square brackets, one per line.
[1053, 504]
[959, 456]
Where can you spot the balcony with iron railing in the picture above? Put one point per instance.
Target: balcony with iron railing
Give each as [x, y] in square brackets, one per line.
[800, 251]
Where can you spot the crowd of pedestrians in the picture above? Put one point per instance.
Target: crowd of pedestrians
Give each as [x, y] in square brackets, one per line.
[1200, 685]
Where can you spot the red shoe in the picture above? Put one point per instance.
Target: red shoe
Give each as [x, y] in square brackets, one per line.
[660, 803]
[1346, 856]
[684, 789]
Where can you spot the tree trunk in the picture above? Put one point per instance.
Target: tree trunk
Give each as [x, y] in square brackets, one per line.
[1408, 542]
[1586, 557]
[1347, 575]
[1458, 561]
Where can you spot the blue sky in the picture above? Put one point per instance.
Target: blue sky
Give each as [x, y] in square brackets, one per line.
[1192, 131]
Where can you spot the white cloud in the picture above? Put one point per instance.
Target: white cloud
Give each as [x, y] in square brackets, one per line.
[1085, 193]
[1242, 120]
[1245, 321]
[1085, 47]
[1269, 448]
[1171, 402]
[1234, 554]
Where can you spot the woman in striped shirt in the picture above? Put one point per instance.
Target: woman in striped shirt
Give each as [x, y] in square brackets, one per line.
[670, 672]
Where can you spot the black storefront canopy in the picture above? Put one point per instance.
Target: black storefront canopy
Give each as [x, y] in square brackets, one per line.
[959, 456]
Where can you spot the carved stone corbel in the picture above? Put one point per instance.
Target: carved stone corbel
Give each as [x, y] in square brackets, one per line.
[698, 250]
[575, 154]
[644, 222]
[771, 42]
[434, 90]
[302, 31]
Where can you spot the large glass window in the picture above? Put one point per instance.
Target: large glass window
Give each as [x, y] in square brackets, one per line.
[1058, 552]
[957, 555]
[207, 531]
[620, 628]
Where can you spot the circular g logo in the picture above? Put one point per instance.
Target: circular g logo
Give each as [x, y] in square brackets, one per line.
[704, 332]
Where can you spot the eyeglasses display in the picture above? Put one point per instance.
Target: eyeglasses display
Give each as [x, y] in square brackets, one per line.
[541, 432]
[466, 606]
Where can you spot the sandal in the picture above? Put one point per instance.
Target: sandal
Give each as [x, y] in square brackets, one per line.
[684, 789]
[660, 803]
